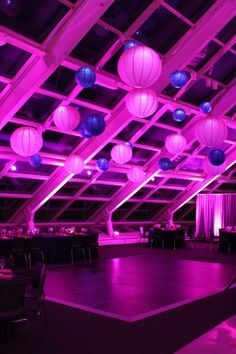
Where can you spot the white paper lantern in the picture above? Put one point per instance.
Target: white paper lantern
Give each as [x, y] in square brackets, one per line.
[74, 164]
[135, 174]
[121, 153]
[142, 102]
[213, 170]
[211, 131]
[66, 118]
[26, 141]
[175, 143]
[139, 66]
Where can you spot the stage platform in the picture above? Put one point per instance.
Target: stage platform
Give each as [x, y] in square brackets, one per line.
[136, 287]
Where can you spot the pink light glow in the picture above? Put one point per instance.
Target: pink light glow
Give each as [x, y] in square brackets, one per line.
[89, 173]
[13, 168]
[116, 233]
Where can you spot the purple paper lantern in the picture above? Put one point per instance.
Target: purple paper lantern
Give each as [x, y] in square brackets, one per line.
[85, 76]
[121, 153]
[216, 157]
[179, 114]
[102, 164]
[26, 141]
[10, 8]
[84, 131]
[66, 118]
[205, 107]
[211, 131]
[175, 143]
[164, 163]
[139, 66]
[35, 160]
[179, 78]
[95, 124]
[74, 164]
[136, 174]
[142, 102]
[130, 44]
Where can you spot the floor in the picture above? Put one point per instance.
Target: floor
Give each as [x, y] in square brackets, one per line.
[220, 339]
[135, 287]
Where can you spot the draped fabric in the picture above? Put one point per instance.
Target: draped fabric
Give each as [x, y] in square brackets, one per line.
[213, 212]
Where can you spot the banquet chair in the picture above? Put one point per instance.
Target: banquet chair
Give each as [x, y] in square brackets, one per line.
[35, 248]
[213, 241]
[77, 247]
[143, 234]
[90, 245]
[18, 249]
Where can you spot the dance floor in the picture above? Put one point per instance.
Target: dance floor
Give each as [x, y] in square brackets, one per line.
[135, 287]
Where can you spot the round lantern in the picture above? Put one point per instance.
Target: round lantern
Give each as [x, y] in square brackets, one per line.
[35, 160]
[175, 143]
[26, 141]
[139, 66]
[66, 117]
[95, 124]
[85, 76]
[211, 131]
[121, 153]
[135, 174]
[216, 157]
[84, 131]
[129, 144]
[141, 102]
[179, 78]
[164, 163]
[205, 107]
[179, 114]
[102, 164]
[213, 170]
[130, 44]
[74, 164]
[10, 8]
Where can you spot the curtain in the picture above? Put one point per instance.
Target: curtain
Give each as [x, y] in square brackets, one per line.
[213, 212]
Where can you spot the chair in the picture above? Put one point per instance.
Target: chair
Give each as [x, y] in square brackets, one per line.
[143, 235]
[77, 247]
[19, 249]
[35, 248]
[90, 244]
[213, 241]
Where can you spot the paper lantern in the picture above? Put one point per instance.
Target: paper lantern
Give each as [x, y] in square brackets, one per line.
[95, 124]
[66, 117]
[141, 102]
[179, 78]
[10, 8]
[211, 131]
[102, 164]
[121, 153]
[130, 44]
[26, 141]
[139, 66]
[179, 114]
[84, 131]
[164, 163]
[216, 157]
[85, 76]
[74, 164]
[35, 160]
[135, 174]
[175, 143]
[205, 107]
[213, 170]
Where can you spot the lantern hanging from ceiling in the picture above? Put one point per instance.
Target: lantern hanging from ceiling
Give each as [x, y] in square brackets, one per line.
[205, 107]
[35, 160]
[74, 164]
[135, 174]
[216, 157]
[66, 117]
[121, 153]
[84, 131]
[179, 114]
[26, 141]
[175, 143]
[211, 131]
[213, 170]
[139, 66]
[102, 164]
[141, 102]
[95, 124]
[10, 8]
[179, 78]
[85, 76]
[164, 163]
[130, 44]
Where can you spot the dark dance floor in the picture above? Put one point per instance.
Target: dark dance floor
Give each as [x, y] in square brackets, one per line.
[135, 287]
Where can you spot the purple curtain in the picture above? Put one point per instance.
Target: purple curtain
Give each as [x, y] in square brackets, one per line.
[213, 212]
